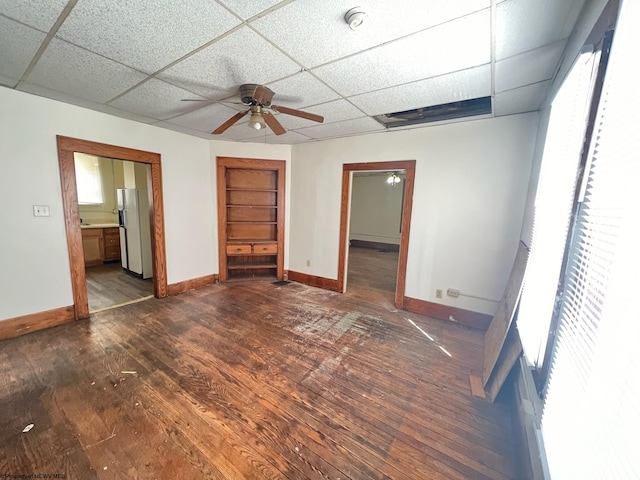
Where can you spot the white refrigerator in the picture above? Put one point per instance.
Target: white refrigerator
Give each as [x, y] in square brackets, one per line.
[135, 232]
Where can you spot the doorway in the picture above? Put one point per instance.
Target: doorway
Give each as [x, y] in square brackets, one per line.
[408, 167]
[116, 236]
[67, 148]
[375, 228]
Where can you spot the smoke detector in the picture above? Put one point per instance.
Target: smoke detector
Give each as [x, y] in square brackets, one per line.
[355, 18]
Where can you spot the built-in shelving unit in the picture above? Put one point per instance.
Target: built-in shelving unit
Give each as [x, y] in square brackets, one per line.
[251, 217]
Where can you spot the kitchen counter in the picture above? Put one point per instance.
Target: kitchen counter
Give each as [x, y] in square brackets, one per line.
[99, 225]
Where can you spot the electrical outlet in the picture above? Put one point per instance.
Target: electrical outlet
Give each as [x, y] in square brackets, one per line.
[308, 263]
[438, 293]
[41, 211]
[452, 292]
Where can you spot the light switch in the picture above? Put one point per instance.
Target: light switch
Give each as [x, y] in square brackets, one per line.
[41, 210]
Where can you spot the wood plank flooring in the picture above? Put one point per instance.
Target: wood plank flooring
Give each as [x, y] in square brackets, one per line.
[109, 285]
[371, 275]
[250, 380]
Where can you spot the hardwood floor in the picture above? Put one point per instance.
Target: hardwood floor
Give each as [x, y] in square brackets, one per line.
[109, 285]
[250, 380]
[372, 275]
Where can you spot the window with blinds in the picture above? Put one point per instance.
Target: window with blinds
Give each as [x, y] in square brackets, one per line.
[553, 205]
[591, 414]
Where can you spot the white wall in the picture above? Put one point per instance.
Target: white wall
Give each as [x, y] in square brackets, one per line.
[376, 209]
[34, 273]
[468, 204]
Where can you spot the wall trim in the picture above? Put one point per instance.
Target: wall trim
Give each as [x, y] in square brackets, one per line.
[191, 284]
[312, 280]
[32, 322]
[391, 247]
[468, 318]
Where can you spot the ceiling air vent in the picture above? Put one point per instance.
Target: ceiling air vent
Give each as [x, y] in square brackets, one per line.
[436, 113]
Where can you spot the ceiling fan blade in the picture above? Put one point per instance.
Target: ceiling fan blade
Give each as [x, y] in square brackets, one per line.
[222, 128]
[262, 94]
[273, 123]
[298, 113]
[196, 100]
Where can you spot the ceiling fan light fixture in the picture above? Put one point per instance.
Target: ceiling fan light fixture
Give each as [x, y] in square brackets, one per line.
[355, 18]
[256, 120]
[393, 178]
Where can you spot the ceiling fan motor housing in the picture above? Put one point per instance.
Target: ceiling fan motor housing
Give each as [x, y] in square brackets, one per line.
[252, 94]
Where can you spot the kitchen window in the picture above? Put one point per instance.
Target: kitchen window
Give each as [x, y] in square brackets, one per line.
[88, 180]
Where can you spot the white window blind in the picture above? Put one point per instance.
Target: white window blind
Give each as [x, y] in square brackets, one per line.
[553, 204]
[591, 415]
[88, 180]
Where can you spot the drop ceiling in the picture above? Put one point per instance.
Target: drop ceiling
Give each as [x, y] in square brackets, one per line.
[138, 59]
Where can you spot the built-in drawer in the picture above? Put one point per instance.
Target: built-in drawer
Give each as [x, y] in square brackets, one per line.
[238, 249]
[111, 240]
[112, 253]
[265, 248]
[111, 231]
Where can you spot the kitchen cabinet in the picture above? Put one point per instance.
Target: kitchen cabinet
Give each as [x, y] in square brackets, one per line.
[111, 243]
[93, 246]
[100, 245]
[251, 217]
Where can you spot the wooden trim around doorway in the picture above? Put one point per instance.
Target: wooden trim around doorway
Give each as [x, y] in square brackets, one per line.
[67, 146]
[409, 166]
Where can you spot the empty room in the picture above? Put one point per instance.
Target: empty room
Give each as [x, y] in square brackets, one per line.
[308, 239]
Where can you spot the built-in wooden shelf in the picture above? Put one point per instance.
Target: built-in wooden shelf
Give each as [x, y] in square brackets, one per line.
[251, 190]
[253, 222]
[251, 266]
[251, 217]
[251, 206]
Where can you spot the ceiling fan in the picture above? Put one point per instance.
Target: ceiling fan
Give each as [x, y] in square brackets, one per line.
[258, 99]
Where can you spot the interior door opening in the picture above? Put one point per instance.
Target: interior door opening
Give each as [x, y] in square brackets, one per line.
[374, 270]
[113, 202]
[151, 169]
[375, 228]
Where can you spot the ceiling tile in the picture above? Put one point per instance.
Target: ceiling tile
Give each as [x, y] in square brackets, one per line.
[74, 100]
[463, 85]
[523, 25]
[449, 47]
[519, 100]
[301, 90]
[288, 138]
[146, 35]
[315, 32]
[156, 99]
[529, 67]
[241, 131]
[249, 9]
[241, 57]
[341, 129]
[73, 70]
[42, 17]
[205, 119]
[181, 129]
[19, 44]
[334, 111]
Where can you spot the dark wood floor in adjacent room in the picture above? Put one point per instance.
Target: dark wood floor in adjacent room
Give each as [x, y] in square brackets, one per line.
[108, 285]
[250, 380]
